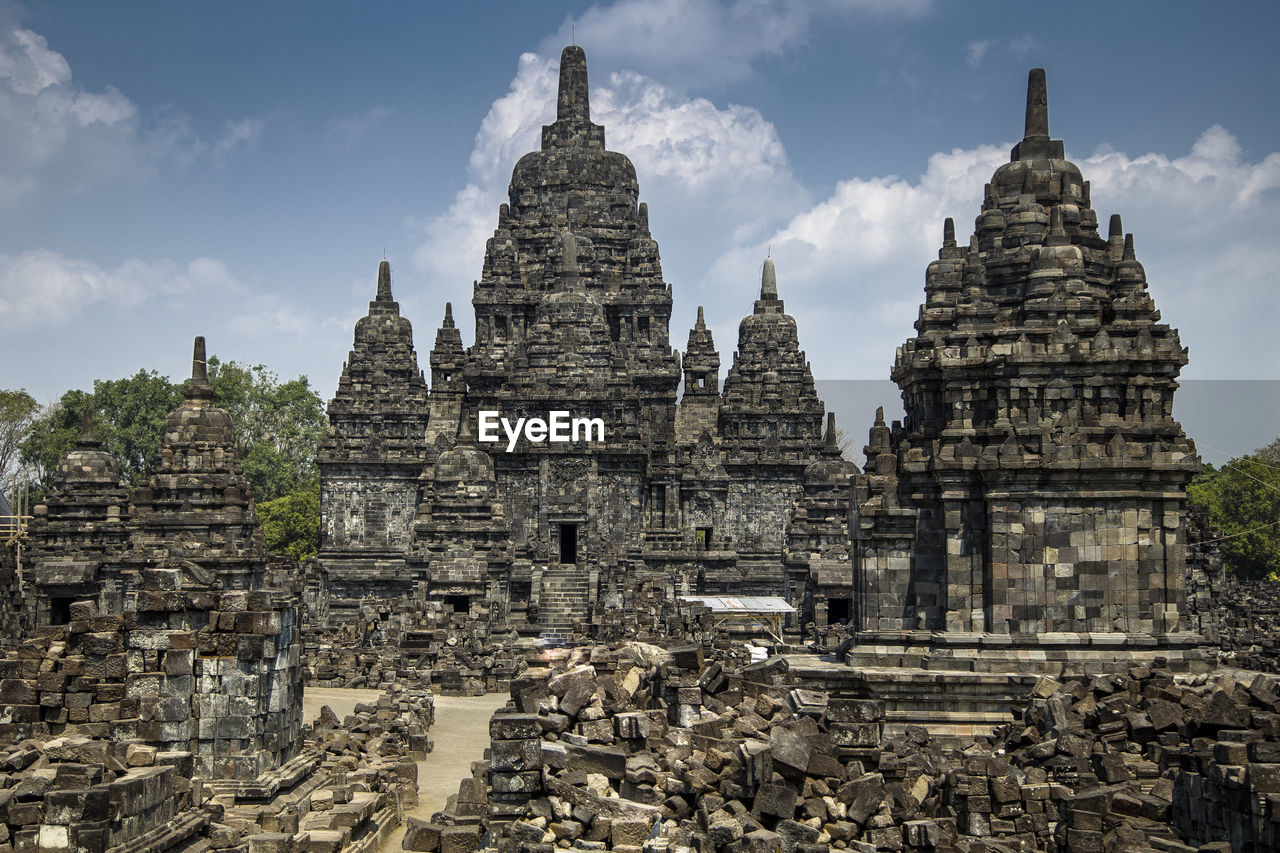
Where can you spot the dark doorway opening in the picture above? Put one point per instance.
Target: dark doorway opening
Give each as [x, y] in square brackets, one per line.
[459, 603]
[60, 610]
[837, 611]
[702, 538]
[568, 543]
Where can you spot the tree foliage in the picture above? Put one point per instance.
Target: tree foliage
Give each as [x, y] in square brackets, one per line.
[1242, 499]
[277, 425]
[18, 410]
[128, 416]
[291, 523]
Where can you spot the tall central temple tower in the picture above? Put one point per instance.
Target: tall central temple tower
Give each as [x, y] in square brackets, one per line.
[572, 315]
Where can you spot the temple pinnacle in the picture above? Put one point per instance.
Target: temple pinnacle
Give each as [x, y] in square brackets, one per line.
[572, 103]
[199, 365]
[86, 427]
[384, 281]
[829, 440]
[1037, 123]
[701, 325]
[1115, 228]
[448, 316]
[769, 281]
[949, 232]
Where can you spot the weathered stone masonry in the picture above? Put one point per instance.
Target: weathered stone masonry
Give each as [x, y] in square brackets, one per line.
[572, 313]
[1037, 485]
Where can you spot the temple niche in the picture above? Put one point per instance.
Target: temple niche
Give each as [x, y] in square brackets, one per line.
[1037, 484]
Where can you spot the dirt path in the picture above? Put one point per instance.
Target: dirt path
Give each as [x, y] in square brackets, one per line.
[461, 735]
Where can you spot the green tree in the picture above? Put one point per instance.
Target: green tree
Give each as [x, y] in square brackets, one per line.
[1242, 499]
[18, 411]
[278, 425]
[128, 415]
[291, 523]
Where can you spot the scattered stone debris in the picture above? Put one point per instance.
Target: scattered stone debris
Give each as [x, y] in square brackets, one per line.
[684, 754]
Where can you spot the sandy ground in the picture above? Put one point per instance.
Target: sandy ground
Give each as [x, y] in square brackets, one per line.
[461, 735]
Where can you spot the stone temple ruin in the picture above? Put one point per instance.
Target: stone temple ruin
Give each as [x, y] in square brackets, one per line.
[1003, 632]
[572, 313]
[1036, 487]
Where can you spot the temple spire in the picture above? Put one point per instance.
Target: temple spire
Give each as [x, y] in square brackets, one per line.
[198, 386]
[829, 440]
[949, 232]
[448, 316]
[701, 325]
[1115, 228]
[384, 281]
[86, 427]
[199, 364]
[572, 103]
[1037, 122]
[769, 281]
[1035, 142]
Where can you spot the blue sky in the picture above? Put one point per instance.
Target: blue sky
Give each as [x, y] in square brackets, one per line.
[238, 169]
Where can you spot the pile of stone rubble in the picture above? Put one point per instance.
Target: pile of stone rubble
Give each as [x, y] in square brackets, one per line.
[1249, 624]
[686, 755]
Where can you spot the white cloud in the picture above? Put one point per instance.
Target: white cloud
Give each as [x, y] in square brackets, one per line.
[42, 112]
[856, 260]
[56, 136]
[343, 134]
[29, 65]
[707, 41]
[239, 132]
[41, 289]
[975, 50]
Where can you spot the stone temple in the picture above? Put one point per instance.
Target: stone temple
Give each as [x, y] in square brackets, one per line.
[1027, 662]
[1035, 489]
[1037, 485]
[717, 491]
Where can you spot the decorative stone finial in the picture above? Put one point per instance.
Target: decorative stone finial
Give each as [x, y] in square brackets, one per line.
[448, 316]
[879, 416]
[86, 426]
[572, 103]
[1037, 123]
[199, 364]
[829, 440]
[384, 281]
[949, 232]
[1128, 249]
[701, 325]
[1116, 228]
[769, 281]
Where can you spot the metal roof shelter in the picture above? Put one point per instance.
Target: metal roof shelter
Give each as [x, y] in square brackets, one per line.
[746, 614]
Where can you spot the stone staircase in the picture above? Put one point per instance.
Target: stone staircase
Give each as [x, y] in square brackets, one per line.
[564, 600]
